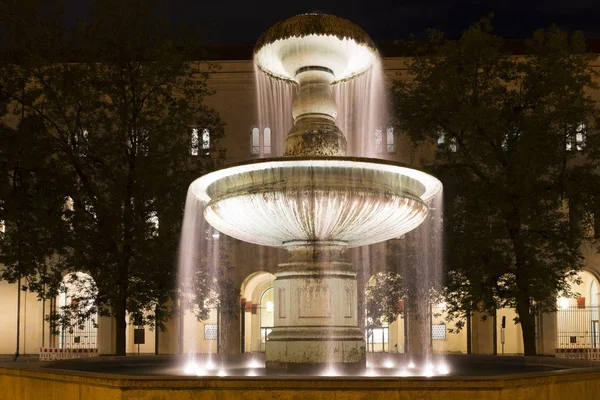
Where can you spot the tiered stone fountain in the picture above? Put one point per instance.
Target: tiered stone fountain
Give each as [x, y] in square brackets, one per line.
[315, 202]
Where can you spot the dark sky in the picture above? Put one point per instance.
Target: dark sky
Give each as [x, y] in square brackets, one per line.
[241, 22]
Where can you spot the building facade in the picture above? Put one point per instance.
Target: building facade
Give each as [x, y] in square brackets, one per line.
[573, 326]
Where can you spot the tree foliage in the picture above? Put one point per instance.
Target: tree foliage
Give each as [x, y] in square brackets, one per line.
[117, 100]
[517, 142]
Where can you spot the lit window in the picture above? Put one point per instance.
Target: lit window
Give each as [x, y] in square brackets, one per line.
[260, 145]
[194, 142]
[390, 143]
[576, 140]
[2, 226]
[153, 221]
[205, 141]
[378, 140]
[267, 141]
[255, 149]
[445, 145]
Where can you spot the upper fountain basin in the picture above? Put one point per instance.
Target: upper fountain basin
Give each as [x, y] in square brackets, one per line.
[314, 40]
[357, 201]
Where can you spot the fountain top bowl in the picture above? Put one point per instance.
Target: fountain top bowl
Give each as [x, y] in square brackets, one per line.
[314, 40]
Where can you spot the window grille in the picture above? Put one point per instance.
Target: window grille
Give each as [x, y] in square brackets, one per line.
[438, 332]
[210, 332]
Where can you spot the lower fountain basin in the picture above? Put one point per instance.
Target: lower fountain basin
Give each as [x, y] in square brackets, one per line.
[357, 201]
[159, 378]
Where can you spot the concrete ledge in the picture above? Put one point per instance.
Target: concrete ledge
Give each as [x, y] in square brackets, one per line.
[31, 382]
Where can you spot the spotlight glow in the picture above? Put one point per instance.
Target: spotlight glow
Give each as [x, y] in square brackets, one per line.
[404, 373]
[330, 371]
[443, 369]
[222, 373]
[428, 371]
[255, 364]
[411, 365]
[389, 363]
[209, 365]
[190, 368]
[200, 371]
[251, 372]
[371, 372]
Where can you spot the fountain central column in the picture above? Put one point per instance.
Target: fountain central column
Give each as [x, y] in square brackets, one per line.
[315, 320]
[314, 110]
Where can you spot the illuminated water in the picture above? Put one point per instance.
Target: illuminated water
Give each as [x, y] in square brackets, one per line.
[362, 110]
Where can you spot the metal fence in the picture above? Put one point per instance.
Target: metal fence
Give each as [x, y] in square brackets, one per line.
[79, 337]
[577, 327]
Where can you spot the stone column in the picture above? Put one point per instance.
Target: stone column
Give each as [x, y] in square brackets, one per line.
[106, 334]
[482, 334]
[169, 340]
[418, 323]
[546, 334]
[315, 320]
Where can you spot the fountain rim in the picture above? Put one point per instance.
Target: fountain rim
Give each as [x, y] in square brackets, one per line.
[432, 185]
[313, 25]
[285, 29]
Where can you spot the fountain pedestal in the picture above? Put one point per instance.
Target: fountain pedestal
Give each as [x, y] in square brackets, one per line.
[315, 316]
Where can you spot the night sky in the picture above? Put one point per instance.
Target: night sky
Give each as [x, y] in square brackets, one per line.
[242, 22]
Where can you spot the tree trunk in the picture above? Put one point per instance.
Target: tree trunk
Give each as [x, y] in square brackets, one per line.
[121, 327]
[527, 320]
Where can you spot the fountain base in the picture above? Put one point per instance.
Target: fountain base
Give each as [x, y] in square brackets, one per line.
[315, 321]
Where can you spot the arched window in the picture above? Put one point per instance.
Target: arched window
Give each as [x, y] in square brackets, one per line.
[255, 142]
[267, 141]
[260, 142]
[266, 316]
[390, 142]
[385, 143]
[378, 140]
[205, 141]
[576, 138]
[195, 143]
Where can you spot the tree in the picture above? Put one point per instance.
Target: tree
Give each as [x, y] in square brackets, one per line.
[124, 108]
[34, 233]
[515, 137]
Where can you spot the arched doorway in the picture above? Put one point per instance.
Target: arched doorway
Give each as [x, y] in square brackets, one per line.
[577, 317]
[76, 312]
[257, 319]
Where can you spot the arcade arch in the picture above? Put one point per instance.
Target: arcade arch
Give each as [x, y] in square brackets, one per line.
[258, 296]
[78, 323]
[577, 317]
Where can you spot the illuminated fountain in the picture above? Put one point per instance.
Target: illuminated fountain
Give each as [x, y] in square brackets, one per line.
[315, 202]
